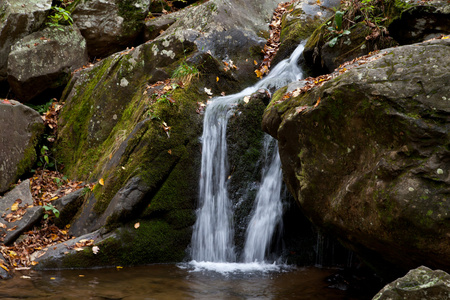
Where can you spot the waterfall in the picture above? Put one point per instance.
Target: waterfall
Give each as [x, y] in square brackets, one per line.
[268, 208]
[212, 238]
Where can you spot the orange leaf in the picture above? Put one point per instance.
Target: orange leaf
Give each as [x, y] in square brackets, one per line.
[137, 225]
[101, 181]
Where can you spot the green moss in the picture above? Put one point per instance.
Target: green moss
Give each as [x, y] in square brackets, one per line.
[133, 16]
[154, 241]
[29, 156]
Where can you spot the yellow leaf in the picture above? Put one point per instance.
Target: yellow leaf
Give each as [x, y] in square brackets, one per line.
[80, 275]
[119, 267]
[255, 62]
[137, 225]
[54, 198]
[15, 206]
[5, 268]
[217, 78]
[101, 181]
[258, 73]
[52, 278]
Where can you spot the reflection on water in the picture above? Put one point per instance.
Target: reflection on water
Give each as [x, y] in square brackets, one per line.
[170, 282]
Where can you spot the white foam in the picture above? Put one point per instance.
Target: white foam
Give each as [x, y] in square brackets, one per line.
[226, 267]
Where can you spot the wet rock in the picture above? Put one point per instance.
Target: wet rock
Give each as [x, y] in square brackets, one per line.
[19, 134]
[421, 23]
[68, 206]
[20, 219]
[44, 60]
[18, 19]
[420, 283]
[369, 162]
[300, 22]
[110, 26]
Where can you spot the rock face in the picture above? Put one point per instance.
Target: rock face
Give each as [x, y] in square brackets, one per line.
[44, 60]
[18, 19]
[367, 155]
[110, 26]
[420, 283]
[15, 220]
[21, 128]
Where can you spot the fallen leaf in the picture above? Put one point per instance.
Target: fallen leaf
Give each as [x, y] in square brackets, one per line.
[137, 225]
[208, 91]
[15, 206]
[101, 181]
[5, 268]
[217, 79]
[95, 249]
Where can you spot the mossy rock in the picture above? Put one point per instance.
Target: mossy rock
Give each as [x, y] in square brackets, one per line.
[363, 163]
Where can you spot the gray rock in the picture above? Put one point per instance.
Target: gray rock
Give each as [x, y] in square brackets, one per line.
[53, 257]
[20, 131]
[229, 30]
[110, 26]
[3, 273]
[44, 60]
[420, 283]
[19, 18]
[29, 218]
[420, 23]
[154, 26]
[68, 206]
[370, 163]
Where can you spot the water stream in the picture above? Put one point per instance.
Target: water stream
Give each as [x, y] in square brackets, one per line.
[212, 239]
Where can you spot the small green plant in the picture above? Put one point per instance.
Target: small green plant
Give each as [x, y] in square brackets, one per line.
[42, 108]
[337, 30]
[59, 17]
[50, 209]
[185, 72]
[60, 181]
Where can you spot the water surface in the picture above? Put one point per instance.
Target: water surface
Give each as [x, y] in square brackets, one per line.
[171, 282]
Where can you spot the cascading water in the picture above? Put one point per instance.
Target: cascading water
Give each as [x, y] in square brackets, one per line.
[268, 208]
[212, 238]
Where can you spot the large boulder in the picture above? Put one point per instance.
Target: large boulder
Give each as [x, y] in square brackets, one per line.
[45, 60]
[231, 31]
[109, 25]
[366, 155]
[19, 18]
[19, 134]
[141, 150]
[420, 283]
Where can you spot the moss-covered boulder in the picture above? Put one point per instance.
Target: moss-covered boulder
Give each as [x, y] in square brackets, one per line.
[366, 156]
[20, 133]
[420, 283]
